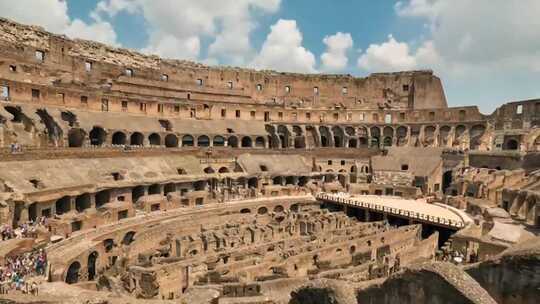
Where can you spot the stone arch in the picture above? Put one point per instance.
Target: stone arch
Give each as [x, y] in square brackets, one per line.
[223, 170]
[375, 136]
[119, 138]
[444, 133]
[128, 238]
[429, 135]
[326, 138]
[259, 142]
[72, 274]
[63, 205]
[154, 139]
[187, 141]
[247, 142]
[136, 139]
[284, 135]
[388, 134]
[98, 136]
[401, 134]
[171, 141]
[353, 142]
[76, 137]
[476, 133]
[233, 141]
[218, 141]
[82, 202]
[511, 144]
[92, 265]
[103, 197]
[203, 141]
[154, 189]
[209, 170]
[339, 137]
[136, 193]
[262, 210]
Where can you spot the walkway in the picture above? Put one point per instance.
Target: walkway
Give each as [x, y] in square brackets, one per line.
[415, 210]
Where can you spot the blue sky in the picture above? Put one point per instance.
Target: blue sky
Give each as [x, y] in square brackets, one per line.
[487, 52]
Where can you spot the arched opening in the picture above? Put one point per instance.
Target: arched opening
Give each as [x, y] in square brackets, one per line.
[284, 135]
[262, 210]
[92, 259]
[76, 138]
[154, 139]
[246, 142]
[511, 144]
[187, 141]
[253, 182]
[72, 275]
[278, 180]
[119, 138]
[401, 133]
[97, 136]
[339, 137]
[219, 141]
[171, 141]
[278, 209]
[259, 142]
[169, 188]
[136, 193]
[447, 180]
[203, 141]
[223, 170]
[476, 134]
[82, 202]
[375, 137]
[128, 238]
[233, 142]
[154, 189]
[353, 143]
[444, 132]
[209, 170]
[63, 205]
[102, 198]
[136, 139]
[325, 136]
[245, 210]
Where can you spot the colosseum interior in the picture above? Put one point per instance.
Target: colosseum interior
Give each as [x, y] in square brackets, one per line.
[129, 178]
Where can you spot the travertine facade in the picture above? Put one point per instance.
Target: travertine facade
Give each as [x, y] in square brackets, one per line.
[155, 179]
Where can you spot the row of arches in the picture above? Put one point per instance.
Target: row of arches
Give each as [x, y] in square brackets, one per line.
[283, 136]
[98, 137]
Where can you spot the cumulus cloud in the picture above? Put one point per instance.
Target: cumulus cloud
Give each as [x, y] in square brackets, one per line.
[387, 56]
[477, 41]
[175, 24]
[53, 16]
[282, 50]
[335, 56]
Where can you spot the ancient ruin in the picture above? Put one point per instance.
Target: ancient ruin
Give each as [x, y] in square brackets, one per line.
[128, 178]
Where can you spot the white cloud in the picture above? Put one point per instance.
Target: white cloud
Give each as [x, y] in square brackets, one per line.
[282, 50]
[387, 56]
[335, 56]
[169, 46]
[53, 16]
[185, 23]
[479, 44]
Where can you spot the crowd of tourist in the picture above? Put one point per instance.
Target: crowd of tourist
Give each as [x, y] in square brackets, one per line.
[15, 148]
[16, 271]
[24, 230]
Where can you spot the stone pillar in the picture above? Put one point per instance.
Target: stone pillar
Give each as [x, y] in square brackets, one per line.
[367, 215]
[72, 205]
